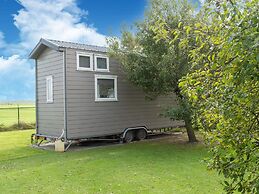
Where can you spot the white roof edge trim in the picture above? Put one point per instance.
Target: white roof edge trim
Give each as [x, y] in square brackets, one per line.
[40, 43]
[62, 45]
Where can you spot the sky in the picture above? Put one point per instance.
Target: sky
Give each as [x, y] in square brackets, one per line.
[24, 22]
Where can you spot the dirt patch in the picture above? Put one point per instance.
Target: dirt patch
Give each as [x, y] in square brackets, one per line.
[179, 138]
[172, 138]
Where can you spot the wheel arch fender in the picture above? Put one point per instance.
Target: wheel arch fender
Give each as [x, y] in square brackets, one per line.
[133, 128]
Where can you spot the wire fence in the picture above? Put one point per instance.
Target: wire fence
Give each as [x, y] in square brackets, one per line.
[19, 116]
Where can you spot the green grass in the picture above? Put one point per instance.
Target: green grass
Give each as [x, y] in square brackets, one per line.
[9, 116]
[156, 166]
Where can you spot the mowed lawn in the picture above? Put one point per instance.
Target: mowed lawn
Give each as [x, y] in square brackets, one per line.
[152, 166]
[9, 114]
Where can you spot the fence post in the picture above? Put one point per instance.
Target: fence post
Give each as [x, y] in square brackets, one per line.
[18, 114]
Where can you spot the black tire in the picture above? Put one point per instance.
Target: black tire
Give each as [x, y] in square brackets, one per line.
[141, 134]
[129, 136]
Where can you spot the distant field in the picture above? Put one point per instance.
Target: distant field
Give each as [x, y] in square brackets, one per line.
[11, 105]
[9, 113]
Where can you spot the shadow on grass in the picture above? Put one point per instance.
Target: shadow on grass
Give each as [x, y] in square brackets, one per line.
[15, 127]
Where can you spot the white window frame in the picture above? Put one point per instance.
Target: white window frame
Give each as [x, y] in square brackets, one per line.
[49, 96]
[108, 77]
[84, 54]
[95, 62]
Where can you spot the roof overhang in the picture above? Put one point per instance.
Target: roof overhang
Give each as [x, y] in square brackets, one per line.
[42, 44]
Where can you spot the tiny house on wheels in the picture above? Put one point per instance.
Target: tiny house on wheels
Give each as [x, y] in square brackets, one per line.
[82, 93]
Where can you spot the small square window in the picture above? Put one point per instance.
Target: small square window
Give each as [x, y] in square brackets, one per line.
[101, 63]
[105, 88]
[84, 61]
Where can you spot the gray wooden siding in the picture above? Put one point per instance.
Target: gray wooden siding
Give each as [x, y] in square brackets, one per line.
[87, 118]
[50, 115]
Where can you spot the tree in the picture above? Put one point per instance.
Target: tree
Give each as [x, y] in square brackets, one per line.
[223, 86]
[156, 65]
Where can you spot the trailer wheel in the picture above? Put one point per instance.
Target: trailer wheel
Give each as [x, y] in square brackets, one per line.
[129, 136]
[141, 134]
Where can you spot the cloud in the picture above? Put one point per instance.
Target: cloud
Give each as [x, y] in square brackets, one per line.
[9, 62]
[2, 42]
[59, 19]
[54, 19]
[16, 78]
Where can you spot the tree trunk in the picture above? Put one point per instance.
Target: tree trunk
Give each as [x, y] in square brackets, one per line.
[190, 131]
[187, 118]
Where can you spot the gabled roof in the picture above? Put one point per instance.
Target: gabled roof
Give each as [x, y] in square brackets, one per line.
[61, 45]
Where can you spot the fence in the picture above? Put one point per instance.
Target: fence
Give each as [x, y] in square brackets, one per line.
[17, 115]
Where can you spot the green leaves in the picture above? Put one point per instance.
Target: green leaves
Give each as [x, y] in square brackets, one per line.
[213, 56]
[156, 56]
[223, 86]
[188, 29]
[180, 24]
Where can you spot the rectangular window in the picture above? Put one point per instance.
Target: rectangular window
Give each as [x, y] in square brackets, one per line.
[49, 89]
[106, 88]
[101, 63]
[84, 61]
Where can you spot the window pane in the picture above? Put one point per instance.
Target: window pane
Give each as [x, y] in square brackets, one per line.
[105, 88]
[101, 63]
[84, 61]
[49, 88]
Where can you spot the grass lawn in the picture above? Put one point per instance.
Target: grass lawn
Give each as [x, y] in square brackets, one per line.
[153, 166]
[9, 114]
